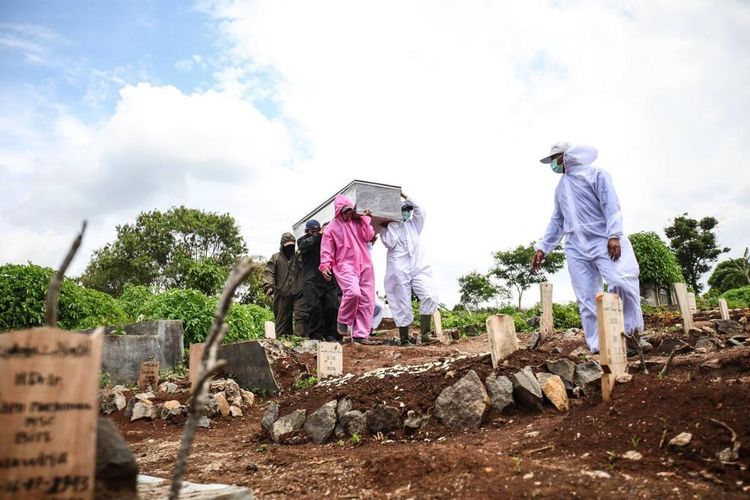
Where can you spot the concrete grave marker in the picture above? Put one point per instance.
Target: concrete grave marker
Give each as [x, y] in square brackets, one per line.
[692, 303]
[501, 332]
[723, 309]
[442, 337]
[546, 322]
[48, 413]
[330, 359]
[149, 375]
[194, 363]
[680, 290]
[613, 356]
[270, 329]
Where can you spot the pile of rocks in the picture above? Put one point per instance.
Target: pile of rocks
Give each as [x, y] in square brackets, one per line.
[225, 398]
[463, 405]
[720, 333]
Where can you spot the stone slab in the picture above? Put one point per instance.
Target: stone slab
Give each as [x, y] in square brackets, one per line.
[171, 335]
[248, 364]
[157, 488]
[501, 333]
[330, 359]
[122, 356]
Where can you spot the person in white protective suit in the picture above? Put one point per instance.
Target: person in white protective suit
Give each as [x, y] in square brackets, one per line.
[407, 270]
[587, 213]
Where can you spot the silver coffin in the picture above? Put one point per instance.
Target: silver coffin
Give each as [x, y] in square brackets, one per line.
[383, 200]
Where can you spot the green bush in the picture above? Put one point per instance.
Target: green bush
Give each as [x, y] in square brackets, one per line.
[737, 298]
[22, 292]
[196, 311]
[566, 315]
[133, 299]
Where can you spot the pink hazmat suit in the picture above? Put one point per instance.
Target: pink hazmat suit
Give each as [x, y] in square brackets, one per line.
[344, 249]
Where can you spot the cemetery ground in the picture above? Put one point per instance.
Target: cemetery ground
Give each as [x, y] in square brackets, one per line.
[626, 446]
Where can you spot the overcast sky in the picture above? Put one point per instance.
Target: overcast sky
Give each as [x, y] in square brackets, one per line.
[264, 109]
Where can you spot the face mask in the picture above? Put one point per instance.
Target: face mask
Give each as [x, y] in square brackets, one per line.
[405, 214]
[288, 250]
[556, 167]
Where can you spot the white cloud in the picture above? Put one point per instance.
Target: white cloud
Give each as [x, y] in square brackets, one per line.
[455, 102]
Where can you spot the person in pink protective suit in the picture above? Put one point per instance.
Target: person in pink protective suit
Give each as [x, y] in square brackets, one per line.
[344, 251]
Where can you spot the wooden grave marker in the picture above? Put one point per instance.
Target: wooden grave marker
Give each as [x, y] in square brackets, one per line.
[194, 362]
[441, 336]
[149, 375]
[48, 413]
[501, 333]
[546, 322]
[723, 309]
[692, 303]
[613, 356]
[330, 359]
[680, 290]
[270, 329]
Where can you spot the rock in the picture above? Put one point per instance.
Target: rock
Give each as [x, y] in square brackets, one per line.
[343, 406]
[727, 455]
[706, 344]
[737, 341]
[623, 378]
[232, 390]
[168, 387]
[414, 422]
[107, 401]
[288, 424]
[236, 401]
[383, 419]
[534, 340]
[144, 396]
[579, 352]
[728, 326]
[554, 389]
[743, 321]
[708, 330]
[500, 390]
[116, 468]
[120, 401]
[681, 439]
[526, 389]
[212, 406]
[319, 426]
[309, 346]
[143, 409]
[533, 321]
[129, 408]
[563, 367]
[204, 422]
[171, 408]
[571, 333]
[463, 404]
[632, 455]
[587, 377]
[270, 417]
[222, 403]
[235, 411]
[218, 385]
[596, 474]
[248, 398]
[353, 423]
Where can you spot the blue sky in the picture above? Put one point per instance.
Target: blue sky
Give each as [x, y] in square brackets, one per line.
[263, 109]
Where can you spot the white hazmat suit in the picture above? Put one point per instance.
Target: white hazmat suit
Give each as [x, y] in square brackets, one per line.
[587, 214]
[406, 269]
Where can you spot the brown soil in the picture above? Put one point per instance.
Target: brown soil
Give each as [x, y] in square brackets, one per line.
[517, 454]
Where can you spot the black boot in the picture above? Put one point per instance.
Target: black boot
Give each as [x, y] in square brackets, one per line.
[403, 332]
[425, 320]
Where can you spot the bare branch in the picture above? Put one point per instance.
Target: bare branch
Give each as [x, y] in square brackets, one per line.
[663, 371]
[53, 292]
[209, 366]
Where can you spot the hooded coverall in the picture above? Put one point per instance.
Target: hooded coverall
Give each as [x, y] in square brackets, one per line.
[407, 268]
[587, 213]
[344, 250]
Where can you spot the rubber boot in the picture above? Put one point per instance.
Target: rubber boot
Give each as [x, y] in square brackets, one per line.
[403, 332]
[426, 320]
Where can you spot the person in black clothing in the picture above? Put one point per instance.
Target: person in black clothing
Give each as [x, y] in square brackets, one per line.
[322, 296]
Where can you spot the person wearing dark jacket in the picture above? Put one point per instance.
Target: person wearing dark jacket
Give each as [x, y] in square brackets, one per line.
[321, 296]
[283, 279]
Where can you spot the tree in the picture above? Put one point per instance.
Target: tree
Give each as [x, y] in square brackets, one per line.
[694, 245]
[657, 262]
[731, 274]
[514, 267]
[477, 288]
[180, 248]
[251, 291]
